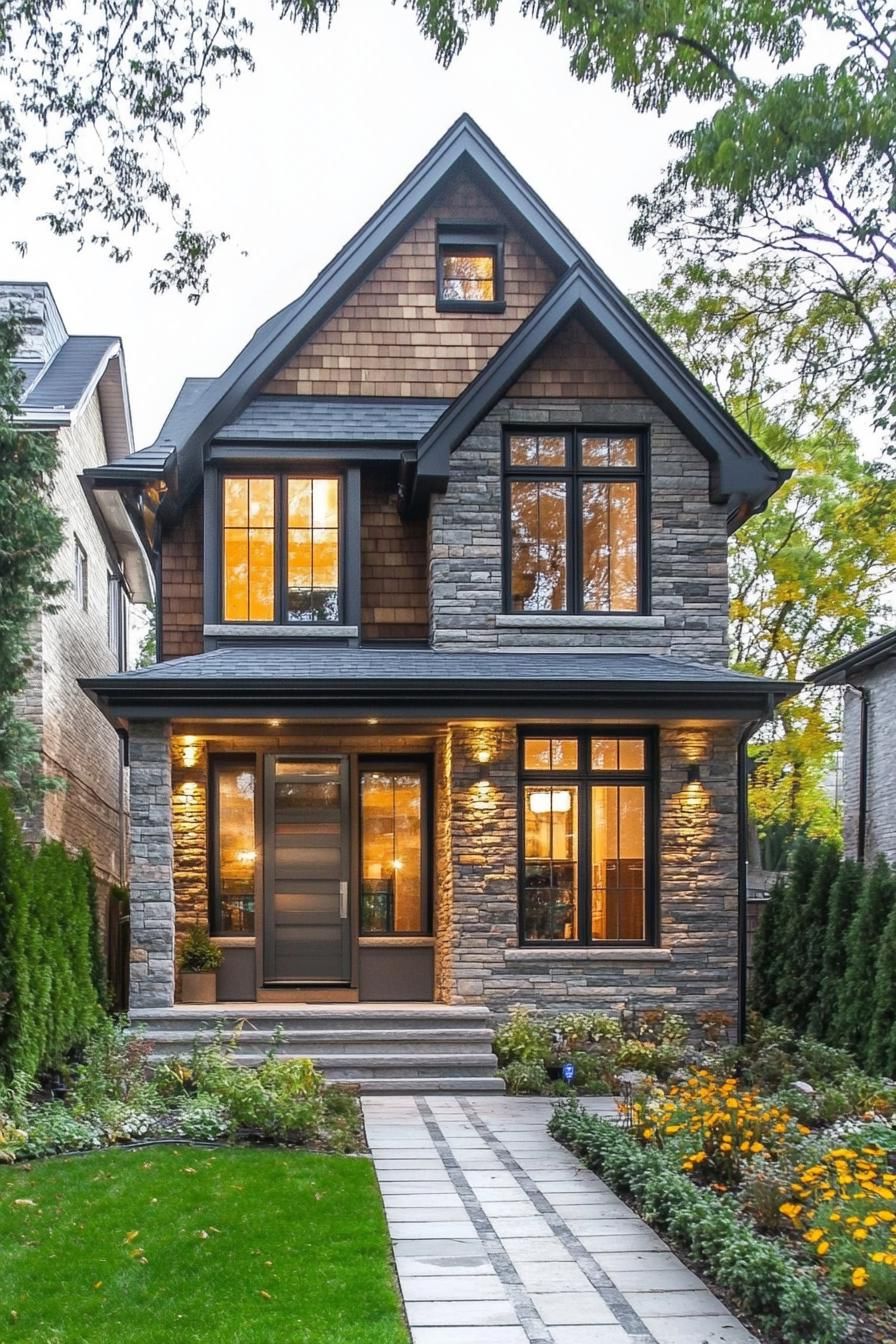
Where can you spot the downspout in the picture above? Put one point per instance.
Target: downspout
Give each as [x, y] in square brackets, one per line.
[742, 840]
[862, 820]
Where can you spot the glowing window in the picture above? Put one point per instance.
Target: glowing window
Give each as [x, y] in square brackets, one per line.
[394, 896]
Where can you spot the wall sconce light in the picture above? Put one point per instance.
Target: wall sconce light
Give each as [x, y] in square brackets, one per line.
[484, 758]
[694, 773]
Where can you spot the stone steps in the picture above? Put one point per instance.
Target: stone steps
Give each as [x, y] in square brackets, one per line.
[378, 1047]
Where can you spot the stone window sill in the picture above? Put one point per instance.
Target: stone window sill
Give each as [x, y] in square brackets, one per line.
[546, 621]
[384, 940]
[236, 940]
[609, 954]
[310, 631]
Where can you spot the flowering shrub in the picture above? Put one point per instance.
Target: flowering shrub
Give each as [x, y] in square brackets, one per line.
[844, 1206]
[718, 1130]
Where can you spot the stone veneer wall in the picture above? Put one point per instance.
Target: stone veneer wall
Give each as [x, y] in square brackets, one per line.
[688, 543]
[152, 861]
[189, 813]
[694, 968]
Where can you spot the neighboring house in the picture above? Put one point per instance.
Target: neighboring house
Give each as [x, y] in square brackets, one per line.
[75, 388]
[443, 712]
[868, 677]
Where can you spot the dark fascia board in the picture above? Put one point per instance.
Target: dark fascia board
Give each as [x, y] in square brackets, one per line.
[128, 698]
[345, 451]
[741, 474]
[869, 655]
[463, 147]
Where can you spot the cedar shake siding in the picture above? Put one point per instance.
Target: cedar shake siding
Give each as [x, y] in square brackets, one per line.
[181, 588]
[572, 364]
[388, 340]
[394, 601]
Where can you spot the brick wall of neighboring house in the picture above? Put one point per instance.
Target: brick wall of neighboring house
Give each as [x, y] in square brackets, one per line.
[694, 968]
[79, 746]
[394, 600]
[388, 340]
[880, 829]
[181, 587]
[688, 539]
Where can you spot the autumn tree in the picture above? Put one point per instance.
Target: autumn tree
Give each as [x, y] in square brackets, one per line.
[809, 574]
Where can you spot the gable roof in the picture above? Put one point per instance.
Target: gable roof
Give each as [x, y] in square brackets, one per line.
[206, 408]
[868, 655]
[741, 475]
[289, 419]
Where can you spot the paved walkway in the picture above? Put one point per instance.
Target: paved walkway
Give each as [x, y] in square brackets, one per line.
[501, 1237]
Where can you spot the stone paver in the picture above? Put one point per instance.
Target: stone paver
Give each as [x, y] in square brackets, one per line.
[501, 1237]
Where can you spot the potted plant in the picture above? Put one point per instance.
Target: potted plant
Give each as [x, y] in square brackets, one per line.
[199, 961]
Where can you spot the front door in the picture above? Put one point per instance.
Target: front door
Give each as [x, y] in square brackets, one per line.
[307, 927]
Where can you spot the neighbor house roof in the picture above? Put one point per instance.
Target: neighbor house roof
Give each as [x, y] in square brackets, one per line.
[745, 478]
[869, 655]
[259, 681]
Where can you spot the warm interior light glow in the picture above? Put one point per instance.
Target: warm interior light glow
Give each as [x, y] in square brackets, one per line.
[190, 757]
[484, 757]
[274, 723]
[550, 800]
[245, 856]
[392, 851]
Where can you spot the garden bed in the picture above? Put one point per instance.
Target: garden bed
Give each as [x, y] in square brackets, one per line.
[770, 1166]
[204, 1246]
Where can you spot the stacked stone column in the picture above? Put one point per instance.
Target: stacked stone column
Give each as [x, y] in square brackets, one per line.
[152, 863]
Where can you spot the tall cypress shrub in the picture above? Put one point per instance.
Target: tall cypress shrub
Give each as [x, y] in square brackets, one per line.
[16, 1050]
[765, 979]
[844, 899]
[807, 956]
[97, 959]
[880, 1056]
[862, 945]
[805, 860]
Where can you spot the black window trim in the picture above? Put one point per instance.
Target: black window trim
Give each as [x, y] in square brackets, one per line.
[218, 761]
[575, 475]
[473, 237]
[280, 476]
[394, 765]
[583, 777]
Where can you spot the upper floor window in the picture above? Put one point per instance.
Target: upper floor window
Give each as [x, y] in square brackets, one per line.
[281, 548]
[470, 269]
[79, 578]
[574, 501]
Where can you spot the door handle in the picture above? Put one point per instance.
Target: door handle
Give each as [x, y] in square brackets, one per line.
[343, 900]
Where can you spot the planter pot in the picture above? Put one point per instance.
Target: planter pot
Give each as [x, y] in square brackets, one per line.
[199, 987]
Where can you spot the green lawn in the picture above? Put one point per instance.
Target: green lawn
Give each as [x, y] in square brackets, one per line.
[173, 1245]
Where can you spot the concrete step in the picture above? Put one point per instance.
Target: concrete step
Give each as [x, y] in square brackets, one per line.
[412, 1086]
[309, 1042]
[350, 1068]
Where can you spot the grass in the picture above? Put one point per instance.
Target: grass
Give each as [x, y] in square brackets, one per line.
[198, 1246]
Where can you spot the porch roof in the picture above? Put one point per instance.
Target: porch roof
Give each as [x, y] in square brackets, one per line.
[257, 682]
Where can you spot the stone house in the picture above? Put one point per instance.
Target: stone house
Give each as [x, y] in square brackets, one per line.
[868, 678]
[75, 388]
[443, 712]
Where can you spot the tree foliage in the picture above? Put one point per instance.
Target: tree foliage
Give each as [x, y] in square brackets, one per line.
[809, 574]
[30, 535]
[844, 898]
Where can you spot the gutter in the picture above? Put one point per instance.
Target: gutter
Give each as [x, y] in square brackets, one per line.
[742, 828]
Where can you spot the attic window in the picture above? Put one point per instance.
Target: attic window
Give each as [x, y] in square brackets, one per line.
[470, 269]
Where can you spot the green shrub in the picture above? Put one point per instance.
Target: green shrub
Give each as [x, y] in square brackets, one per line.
[842, 906]
[48, 957]
[281, 1099]
[764, 1281]
[114, 1072]
[880, 1053]
[855, 1001]
[522, 1039]
[521, 1077]
[198, 952]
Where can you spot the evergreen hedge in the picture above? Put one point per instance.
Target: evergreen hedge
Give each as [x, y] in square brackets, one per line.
[50, 963]
[824, 956]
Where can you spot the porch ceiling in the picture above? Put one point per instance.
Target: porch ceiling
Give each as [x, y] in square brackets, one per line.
[412, 684]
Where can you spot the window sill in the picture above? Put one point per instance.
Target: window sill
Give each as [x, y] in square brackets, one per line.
[561, 621]
[304, 631]
[223, 940]
[609, 954]
[388, 940]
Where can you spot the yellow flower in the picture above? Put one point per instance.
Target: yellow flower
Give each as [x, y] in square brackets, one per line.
[860, 1233]
[791, 1210]
[859, 1277]
[823, 1247]
[814, 1234]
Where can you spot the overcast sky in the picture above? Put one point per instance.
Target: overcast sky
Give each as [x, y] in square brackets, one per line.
[299, 154]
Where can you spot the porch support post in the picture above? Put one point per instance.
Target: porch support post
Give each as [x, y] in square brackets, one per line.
[152, 862]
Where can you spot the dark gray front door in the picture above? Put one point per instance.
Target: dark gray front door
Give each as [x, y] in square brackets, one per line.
[307, 926]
